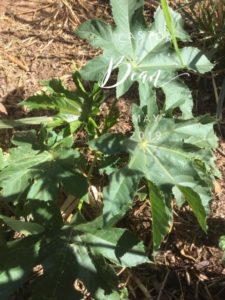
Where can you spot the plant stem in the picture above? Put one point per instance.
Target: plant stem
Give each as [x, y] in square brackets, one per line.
[170, 26]
[95, 125]
[105, 128]
[92, 166]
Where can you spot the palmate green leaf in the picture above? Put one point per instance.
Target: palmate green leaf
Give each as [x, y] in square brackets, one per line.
[141, 53]
[67, 253]
[176, 157]
[34, 166]
[71, 261]
[166, 153]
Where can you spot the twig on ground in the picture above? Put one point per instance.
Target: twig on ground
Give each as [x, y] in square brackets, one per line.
[141, 287]
[163, 285]
[220, 152]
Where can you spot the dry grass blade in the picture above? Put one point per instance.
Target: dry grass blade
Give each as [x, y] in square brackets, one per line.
[21, 64]
[67, 13]
[207, 16]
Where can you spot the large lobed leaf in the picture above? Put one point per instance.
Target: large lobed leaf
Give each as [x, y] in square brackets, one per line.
[175, 157]
[40, 169]
[67, 254]
[142, 53]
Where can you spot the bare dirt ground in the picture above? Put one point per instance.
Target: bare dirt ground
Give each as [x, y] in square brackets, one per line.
[37, 43]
